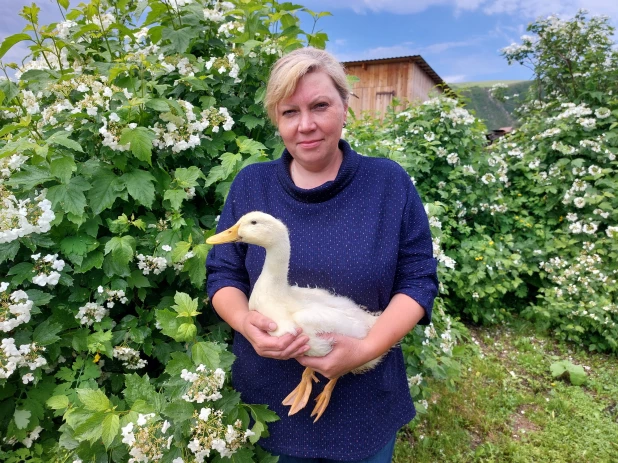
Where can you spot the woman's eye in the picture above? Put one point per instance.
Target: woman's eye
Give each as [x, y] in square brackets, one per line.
[288, 112]
[321, 105]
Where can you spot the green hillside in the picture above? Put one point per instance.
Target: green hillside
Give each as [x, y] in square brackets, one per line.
[493, 112]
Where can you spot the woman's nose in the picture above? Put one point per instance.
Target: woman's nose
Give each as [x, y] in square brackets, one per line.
[306, 122]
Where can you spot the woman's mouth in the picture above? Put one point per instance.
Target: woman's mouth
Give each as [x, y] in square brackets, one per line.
[309, 143]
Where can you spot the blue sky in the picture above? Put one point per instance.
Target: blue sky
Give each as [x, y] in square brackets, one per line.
[460, 39]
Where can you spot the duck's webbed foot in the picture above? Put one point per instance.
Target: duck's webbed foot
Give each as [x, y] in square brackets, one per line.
[323, 399]
[298, 398]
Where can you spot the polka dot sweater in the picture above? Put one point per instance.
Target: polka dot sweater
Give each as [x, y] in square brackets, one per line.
[364, 235]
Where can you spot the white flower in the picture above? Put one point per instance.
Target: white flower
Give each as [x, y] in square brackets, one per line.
[27, 378]
[452, 158]
[166, 247]
[579, 202]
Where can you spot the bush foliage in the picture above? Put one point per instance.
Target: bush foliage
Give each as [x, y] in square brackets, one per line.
[118, 143]
[529, 223]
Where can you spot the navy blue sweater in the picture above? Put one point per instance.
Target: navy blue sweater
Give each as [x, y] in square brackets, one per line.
[364, 235]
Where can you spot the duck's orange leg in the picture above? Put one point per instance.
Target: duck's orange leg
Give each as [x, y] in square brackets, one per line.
[298, 398]
[323, 399]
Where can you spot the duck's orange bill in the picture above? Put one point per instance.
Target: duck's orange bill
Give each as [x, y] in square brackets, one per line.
[227, 236]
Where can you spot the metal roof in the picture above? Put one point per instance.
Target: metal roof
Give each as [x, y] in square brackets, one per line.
[418, 59]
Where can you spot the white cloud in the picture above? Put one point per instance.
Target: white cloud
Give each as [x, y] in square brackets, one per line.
[444, 46]
[402, 49]
[454, 79]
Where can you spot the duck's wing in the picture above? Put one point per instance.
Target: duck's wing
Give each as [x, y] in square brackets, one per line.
[320, 311]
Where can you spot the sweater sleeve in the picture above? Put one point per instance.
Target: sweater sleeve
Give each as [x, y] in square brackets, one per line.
[416, 274]
[225, 264]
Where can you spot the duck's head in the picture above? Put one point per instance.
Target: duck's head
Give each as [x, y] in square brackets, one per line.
[254, 228]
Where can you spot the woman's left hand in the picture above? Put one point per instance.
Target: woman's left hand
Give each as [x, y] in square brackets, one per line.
[347, 354]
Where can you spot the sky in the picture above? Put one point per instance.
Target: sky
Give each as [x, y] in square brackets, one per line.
[459, 39]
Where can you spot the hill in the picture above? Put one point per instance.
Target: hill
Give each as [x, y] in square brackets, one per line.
[493, 112]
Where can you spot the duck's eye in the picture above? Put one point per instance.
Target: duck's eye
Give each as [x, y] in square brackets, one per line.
[254, 222]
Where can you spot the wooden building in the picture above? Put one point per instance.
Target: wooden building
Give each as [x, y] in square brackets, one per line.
[380, 80]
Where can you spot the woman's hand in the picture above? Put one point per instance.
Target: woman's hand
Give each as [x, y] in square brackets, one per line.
[347, 354]
[256, 327]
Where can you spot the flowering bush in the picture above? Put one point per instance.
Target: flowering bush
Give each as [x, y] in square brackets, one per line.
[442, 146]
[528, 223]
[567, 174]
[118, 142]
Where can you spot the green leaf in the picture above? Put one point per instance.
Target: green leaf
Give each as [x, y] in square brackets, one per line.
[58, 402]
[64, 4]
[206, 353]
[249, 146]
[251, 122]
[8, 251]
[79, 244]
[185, 306]
[30, 177]
[93, 399]
[158, 104]
[46, 333]
[92, 260]
[229, 162]
[122, 248]
[106, 188]
[62, 138]
[179, 410]
[138, 280]
[180, 38]
[180, 250]
[186, 332]
[577, 375]
[187, 178]
[140, 185]
[11, 40]
[175, 197]
[22, 271]
[110, 427]
[168, 321]
[91, 429]
[62, 168]
[242, 455]
[140, 139]
[70, 197]
[138, 388]
[22, 418]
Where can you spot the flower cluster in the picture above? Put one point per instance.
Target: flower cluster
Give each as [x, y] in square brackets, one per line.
[11, 164]
[153, 264]
[91, 313]
[14, 308]
[22, 217]
[130, 357]
[26, 356]
[218, 11]
[226, 65]
[205, 384]
[183, 133]
[111, 296]
[47, 268]
[209, 433]
[179, 265]
[147, 438]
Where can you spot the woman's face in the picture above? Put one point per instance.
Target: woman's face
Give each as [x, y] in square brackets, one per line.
[310, 121]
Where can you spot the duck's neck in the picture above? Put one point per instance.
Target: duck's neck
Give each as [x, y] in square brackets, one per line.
[275, 272]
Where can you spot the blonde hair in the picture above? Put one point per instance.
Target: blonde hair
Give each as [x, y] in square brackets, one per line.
[289, 69]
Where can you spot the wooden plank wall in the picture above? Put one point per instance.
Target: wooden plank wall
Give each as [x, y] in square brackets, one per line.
[380, 82]
[420, 84]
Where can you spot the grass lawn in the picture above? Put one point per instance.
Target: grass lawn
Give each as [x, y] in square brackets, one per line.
[509, 408]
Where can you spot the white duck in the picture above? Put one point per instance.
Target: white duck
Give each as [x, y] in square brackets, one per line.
[314, 310]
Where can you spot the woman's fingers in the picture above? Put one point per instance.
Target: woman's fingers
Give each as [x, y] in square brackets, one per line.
[283, 347]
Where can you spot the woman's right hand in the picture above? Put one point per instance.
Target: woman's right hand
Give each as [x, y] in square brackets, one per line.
[256, 328]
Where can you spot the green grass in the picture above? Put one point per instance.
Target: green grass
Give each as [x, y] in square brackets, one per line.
[508, 407]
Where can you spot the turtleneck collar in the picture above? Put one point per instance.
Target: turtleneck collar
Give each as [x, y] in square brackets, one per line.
[326, 191]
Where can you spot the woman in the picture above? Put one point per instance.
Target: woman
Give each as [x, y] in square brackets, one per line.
[358, 228]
